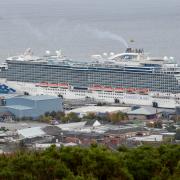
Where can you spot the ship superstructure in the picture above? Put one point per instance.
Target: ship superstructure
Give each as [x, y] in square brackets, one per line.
[131, 77]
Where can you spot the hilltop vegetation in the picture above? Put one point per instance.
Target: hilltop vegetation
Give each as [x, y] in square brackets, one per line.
[76, 163]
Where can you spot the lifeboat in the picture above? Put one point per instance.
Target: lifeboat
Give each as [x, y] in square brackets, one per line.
[131, 90]
[108, 88]
[143, 91]
[42, 84]
[52, 85]
[119, 89]
[96, 88]
[63, 85]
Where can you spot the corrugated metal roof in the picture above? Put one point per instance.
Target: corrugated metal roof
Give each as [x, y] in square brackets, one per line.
[19, 107]
[31, 132]
[39, 97]
[144, 111]
[8, 96]
[99, 109]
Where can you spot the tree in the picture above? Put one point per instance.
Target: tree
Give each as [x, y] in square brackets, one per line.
[176, 173]
[117, 117]
[64, 119]
[53, 114]
[46, 119]
[59, 115]
[158, 124]
[47, 113]
[73, 117]
[94, 162]
[90, 116]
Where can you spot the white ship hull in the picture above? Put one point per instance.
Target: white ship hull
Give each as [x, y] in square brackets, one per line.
[102, 96]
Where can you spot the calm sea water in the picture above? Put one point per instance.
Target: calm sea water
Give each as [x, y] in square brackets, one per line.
[84, 27]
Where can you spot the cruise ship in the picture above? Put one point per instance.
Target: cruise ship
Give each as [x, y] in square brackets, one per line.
[132, 77]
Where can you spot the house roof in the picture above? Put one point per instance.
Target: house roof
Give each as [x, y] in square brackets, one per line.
[72, 126]
[52, 130]
[127, 130]
[145, 111]
[92, 123]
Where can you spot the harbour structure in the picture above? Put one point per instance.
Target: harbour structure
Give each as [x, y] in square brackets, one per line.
[132, 77]
[29, 106]
[98, 110]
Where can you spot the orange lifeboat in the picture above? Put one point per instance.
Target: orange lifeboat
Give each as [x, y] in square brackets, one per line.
[63, 85]
[42, 84]
[131, 90]
[119, 89]
[96, 88]
[53, 85]
[108, 88]
[143, 91]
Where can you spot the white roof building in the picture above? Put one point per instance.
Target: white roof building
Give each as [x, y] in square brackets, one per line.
[151, 138]
[98, 109]
[31, 132]
[72, 126]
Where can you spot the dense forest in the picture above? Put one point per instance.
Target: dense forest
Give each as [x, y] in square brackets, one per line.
[95, 162]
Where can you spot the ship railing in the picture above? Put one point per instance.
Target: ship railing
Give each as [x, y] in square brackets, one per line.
[166, 96]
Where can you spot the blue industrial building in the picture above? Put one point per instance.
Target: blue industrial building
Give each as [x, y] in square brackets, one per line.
[30, 106]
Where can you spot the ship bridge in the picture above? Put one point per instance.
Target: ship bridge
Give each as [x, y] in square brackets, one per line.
[128, 55]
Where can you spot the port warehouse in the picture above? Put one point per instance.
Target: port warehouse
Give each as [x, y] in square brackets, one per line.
[134, 112]
[29, 106]
[34, 106]
[98, 110]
